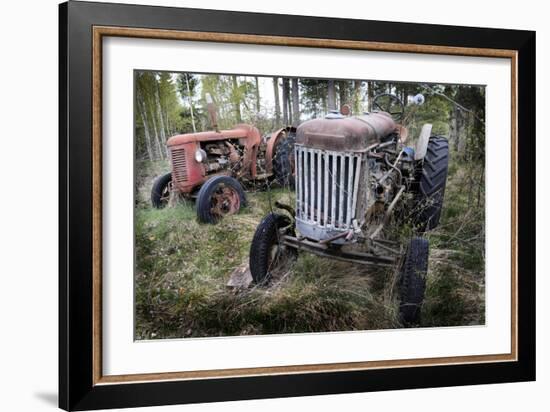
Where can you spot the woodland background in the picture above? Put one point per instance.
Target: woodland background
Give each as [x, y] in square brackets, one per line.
[182, 266]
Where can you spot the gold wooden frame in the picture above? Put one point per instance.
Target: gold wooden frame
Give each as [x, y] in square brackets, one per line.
[102, 31]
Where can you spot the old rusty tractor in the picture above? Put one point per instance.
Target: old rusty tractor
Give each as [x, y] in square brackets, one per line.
[212, 167]
[352, 174]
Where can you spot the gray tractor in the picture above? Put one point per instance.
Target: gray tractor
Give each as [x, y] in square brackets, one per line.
[351, 175]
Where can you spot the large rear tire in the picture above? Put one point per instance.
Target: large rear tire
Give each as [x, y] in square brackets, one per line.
[220, 196]
[412, 281]
[160, 193]
[267, 253]
[432, 180]
[283, 161]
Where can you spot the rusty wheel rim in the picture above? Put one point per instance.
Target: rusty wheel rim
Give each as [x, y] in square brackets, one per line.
[165, 194]
[224, 201]
[278, 258]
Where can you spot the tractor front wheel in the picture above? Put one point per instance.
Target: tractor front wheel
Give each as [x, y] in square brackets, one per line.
[268, 255]
[220, 196]
[412, 280]
[160, 193]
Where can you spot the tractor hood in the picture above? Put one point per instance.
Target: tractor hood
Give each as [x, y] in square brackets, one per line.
[339, 133]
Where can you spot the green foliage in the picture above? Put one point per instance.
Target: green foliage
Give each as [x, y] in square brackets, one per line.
[237, 99]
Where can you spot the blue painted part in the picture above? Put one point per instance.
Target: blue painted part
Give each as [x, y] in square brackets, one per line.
[408, 153]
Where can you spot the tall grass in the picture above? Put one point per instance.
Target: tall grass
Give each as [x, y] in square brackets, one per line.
[182, 268]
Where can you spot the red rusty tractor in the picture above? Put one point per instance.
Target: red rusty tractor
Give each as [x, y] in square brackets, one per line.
[213, 166]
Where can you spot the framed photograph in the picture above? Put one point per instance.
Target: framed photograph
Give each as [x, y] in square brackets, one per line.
[256, 206]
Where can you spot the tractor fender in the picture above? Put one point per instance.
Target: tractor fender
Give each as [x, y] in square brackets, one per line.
[272, 142]
[422, 142]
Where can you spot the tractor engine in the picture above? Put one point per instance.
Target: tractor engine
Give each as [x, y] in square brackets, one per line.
[343, 174]
[222, 155]
[197, 156]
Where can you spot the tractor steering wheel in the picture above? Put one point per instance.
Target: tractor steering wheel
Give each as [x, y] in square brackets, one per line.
[391, 104]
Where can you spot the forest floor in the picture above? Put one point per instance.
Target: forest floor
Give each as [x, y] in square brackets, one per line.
[182, 268]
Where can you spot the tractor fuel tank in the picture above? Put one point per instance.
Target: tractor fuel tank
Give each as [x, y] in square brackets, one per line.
[339, 133]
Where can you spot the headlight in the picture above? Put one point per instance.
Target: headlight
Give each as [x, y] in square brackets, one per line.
[200, 155]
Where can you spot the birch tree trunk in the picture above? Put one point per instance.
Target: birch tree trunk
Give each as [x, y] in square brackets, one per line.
[190, 102]
[160, 152]
[236, 102]
[295, 103]
[161, 126]
[277, 102]
[258, 108]
[145, 122]
[357, 97]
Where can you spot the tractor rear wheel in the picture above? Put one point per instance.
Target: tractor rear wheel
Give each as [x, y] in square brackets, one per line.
[160, 193]
[412, 280]
[431, 182]
[268, 256]
[283, 161]
[220, 196]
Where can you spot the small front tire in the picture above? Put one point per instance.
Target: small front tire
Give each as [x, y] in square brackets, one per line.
[160, 193]
[267, 253]
[220, 196]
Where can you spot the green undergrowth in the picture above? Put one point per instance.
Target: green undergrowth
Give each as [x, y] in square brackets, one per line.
[182, 268]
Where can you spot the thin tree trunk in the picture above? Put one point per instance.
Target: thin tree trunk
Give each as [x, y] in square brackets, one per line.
[236, 102]
[190, 102]
[370, 94]
[277, 102]
[480, 184]
[343, 92]
[286, 91]
[331, 95]
[357, 96]
[143, 115]
[162, 126]
[258, 107]
[454, 132]
[462, 131]
[295, 103]
[160, 152]
[169, 131]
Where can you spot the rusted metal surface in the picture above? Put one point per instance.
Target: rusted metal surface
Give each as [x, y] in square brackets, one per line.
[346, 133]
[403, 133]
[327, 187]
[189, 174]
[274, 139]
[338, 254]
[345, 110]
[225, 201]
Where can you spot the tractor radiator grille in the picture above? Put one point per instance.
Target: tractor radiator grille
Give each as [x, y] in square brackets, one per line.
[179, 165]
[326, 187]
